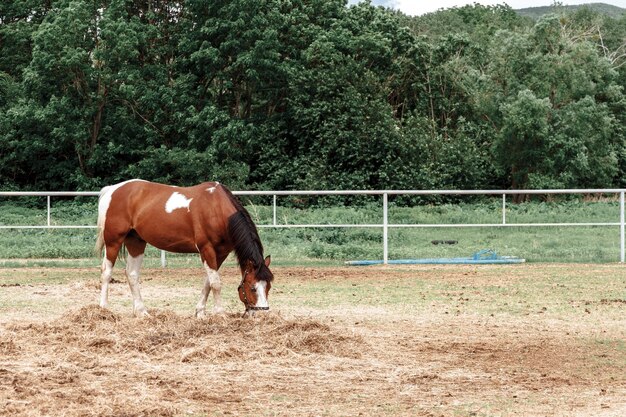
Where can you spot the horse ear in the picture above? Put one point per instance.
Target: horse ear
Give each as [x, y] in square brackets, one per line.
[268, 260]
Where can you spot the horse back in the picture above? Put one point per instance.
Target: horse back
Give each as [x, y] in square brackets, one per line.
[177, 219]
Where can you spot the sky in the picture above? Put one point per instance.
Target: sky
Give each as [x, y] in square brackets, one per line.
[418, 7]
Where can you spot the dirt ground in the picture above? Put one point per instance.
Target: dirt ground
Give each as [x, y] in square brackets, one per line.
[410, 341]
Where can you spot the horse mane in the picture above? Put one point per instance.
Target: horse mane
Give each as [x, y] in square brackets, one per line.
[245, 238]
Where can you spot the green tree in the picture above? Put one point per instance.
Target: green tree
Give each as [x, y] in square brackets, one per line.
[49, 131]
[557, 101]
[308, 94]
[524, 135]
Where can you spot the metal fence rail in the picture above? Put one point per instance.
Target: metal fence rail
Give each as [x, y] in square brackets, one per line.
[384, 225]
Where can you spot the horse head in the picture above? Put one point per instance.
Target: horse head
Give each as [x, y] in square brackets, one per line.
[256, 281]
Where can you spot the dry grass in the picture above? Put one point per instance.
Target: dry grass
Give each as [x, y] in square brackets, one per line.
[445, 341]
[93, 361]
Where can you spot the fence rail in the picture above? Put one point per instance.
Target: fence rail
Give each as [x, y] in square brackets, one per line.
[384, 225]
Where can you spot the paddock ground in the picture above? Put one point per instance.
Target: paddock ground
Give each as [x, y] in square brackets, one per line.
[439, 340]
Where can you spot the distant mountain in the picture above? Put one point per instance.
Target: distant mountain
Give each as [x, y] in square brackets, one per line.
[537, 12]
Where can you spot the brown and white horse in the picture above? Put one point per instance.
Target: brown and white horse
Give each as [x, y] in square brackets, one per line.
[206, 219]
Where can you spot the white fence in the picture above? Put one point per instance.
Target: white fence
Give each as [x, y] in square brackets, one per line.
[384, 225]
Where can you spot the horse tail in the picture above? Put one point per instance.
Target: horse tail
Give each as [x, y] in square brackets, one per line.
[123, 253]
[104, 199]
[101, 218]
[99, 242]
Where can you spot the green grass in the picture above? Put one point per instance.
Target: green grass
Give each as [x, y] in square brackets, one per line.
[327, 246]
[595, 294]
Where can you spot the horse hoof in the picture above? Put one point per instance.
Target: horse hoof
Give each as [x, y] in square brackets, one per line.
[218, 310]
[200, 314]
[142, 313]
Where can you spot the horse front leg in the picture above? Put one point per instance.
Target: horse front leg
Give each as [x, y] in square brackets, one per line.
[136, 247]
[133, 267]
[212, 282]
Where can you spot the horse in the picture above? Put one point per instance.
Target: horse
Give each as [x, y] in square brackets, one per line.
[206, 219]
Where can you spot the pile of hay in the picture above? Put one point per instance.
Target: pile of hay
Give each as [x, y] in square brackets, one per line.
[93, 361]
[215, 337]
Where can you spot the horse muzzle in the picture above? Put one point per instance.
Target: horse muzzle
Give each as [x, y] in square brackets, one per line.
[252, 310]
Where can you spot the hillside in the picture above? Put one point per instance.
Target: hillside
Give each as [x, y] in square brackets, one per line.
[537, 12]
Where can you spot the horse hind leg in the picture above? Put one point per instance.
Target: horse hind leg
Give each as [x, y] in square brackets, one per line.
[105, 275]
[136, 248]
[111, 252]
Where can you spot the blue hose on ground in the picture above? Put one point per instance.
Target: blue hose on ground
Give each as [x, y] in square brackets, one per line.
[485, 256]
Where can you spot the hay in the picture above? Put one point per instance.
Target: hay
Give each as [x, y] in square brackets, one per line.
[89, 315]
[218, 337]
[74, 359]
[351, 357]
[8, 346]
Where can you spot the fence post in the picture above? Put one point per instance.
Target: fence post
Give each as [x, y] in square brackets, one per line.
[48, 211]
[163, 260]
[385, 229]
[621, 226]
[503, 208]
[274, 211]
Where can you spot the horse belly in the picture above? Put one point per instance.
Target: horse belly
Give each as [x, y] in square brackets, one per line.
[173, 233]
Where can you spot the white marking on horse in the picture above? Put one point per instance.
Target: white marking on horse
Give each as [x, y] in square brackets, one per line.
[261, 299]
[105, 277]
[211, 283]
[177, 201]
[133, 269]
[212, 189]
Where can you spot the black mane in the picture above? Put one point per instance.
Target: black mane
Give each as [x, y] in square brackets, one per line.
[246, 241]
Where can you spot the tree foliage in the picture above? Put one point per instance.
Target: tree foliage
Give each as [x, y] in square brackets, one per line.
[287, 94]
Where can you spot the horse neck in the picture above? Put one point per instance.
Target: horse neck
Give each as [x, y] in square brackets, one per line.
[245, 239]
